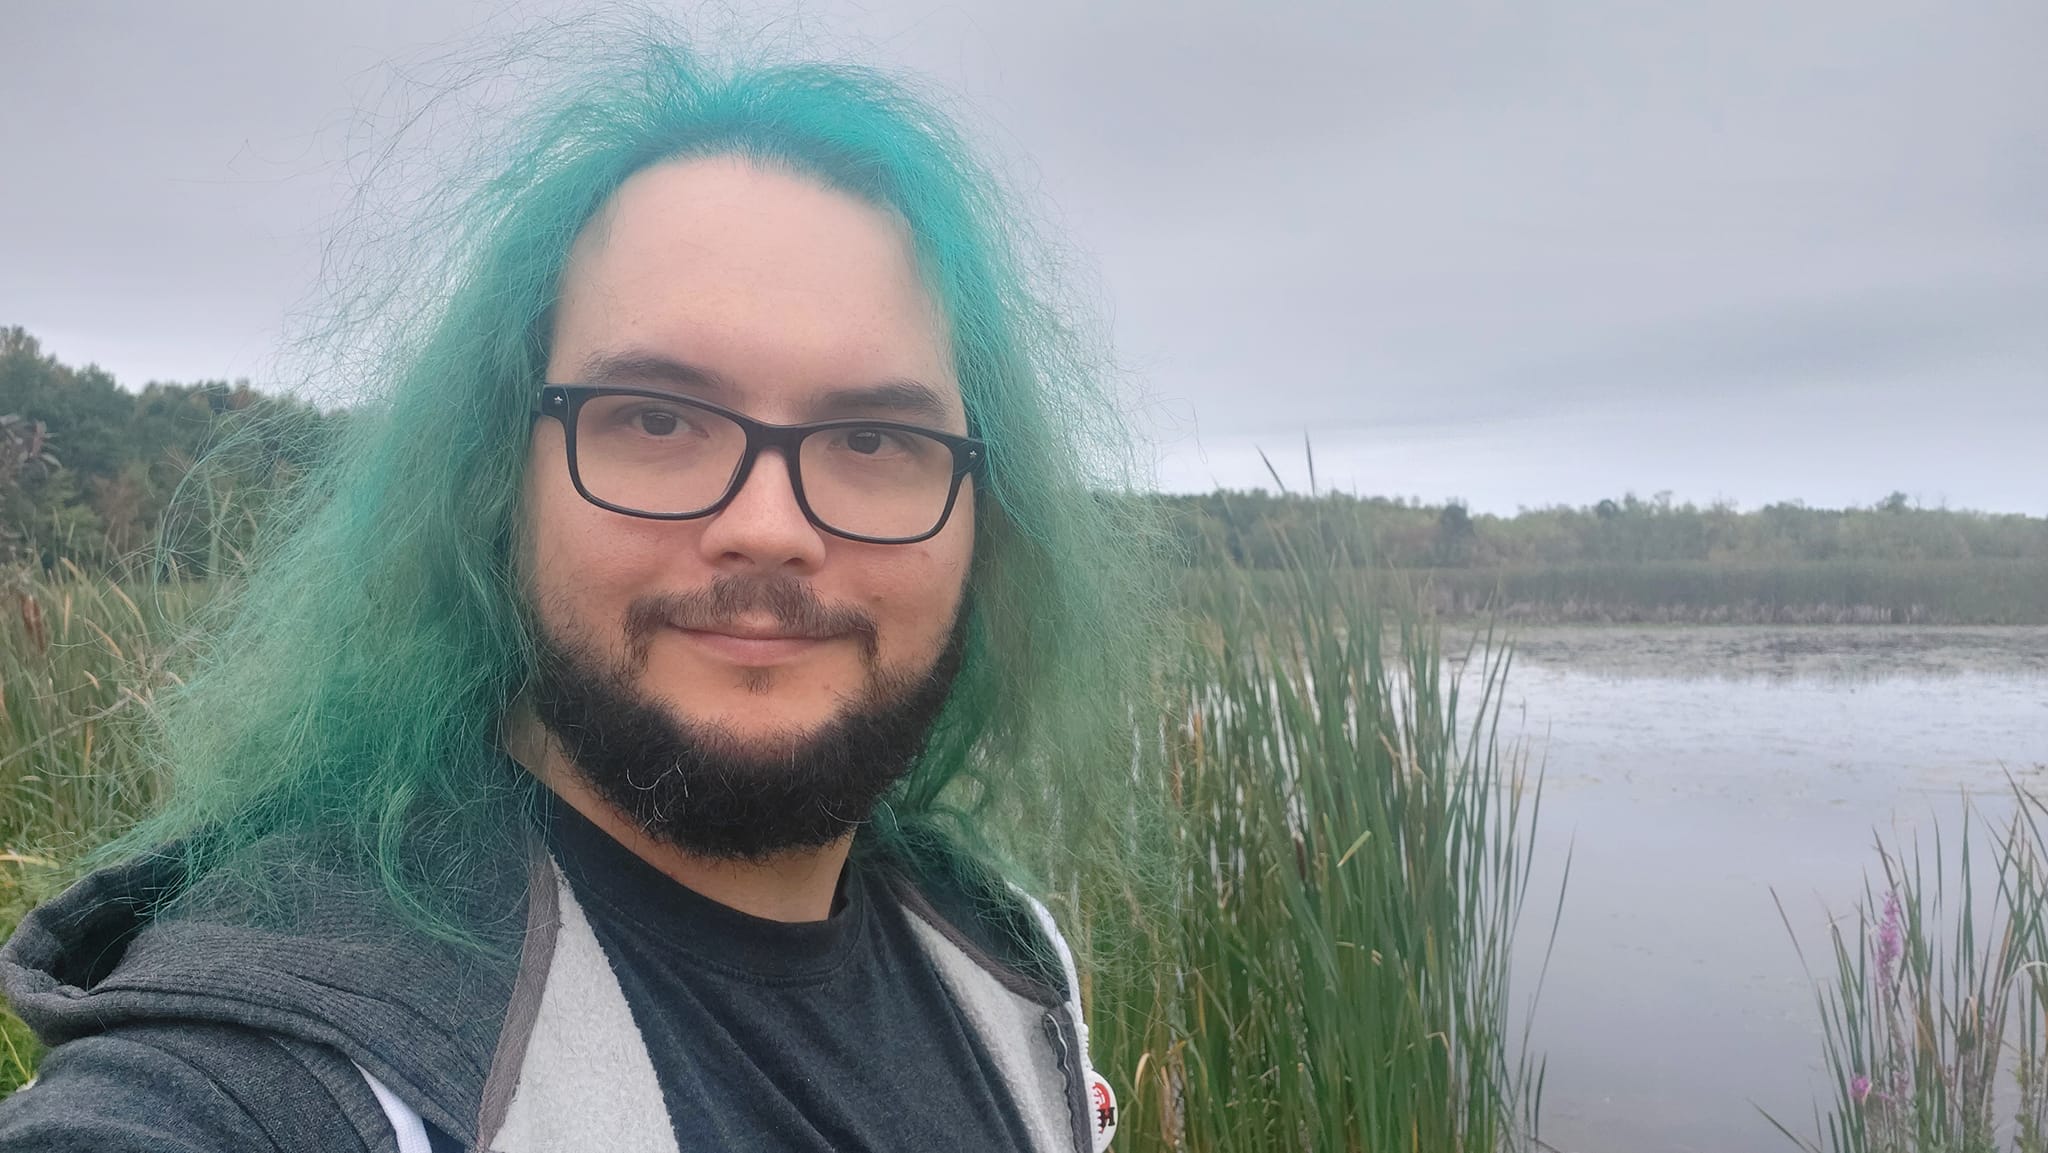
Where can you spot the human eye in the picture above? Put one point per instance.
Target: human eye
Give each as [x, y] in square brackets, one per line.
[657, 420]
[876, 442]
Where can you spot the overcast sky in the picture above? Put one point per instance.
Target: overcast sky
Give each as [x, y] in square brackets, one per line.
[1521, 253]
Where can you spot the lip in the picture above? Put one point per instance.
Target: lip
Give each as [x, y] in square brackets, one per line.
[753, 648]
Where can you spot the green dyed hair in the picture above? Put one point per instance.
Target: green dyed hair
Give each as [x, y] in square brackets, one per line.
[354, 682]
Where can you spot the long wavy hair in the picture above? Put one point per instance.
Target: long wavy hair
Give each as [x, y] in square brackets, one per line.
[353, 682]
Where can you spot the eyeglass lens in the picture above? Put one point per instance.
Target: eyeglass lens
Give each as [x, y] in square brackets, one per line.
[673, 458]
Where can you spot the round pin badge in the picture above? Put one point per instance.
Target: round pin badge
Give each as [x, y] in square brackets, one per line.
[1102, 1107]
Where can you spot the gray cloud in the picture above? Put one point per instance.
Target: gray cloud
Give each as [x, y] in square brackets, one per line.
[1459, 241]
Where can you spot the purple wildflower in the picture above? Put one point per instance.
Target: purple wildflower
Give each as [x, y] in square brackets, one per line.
[1859, 1088]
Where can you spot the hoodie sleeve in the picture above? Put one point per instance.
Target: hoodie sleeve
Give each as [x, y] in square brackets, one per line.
[203, 1089]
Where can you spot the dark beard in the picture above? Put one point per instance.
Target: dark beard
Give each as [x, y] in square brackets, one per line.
[696, 786]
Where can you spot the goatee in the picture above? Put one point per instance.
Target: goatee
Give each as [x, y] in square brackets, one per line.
[700, 788]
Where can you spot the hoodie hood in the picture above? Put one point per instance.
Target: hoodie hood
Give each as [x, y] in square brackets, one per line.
[304, 951]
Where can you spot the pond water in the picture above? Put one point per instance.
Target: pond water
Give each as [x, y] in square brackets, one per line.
[1692, 773]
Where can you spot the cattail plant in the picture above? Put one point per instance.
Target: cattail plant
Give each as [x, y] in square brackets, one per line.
[1326, 967]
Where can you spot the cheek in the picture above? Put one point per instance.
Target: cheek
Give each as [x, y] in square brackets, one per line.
[581, 564]
[922, 591]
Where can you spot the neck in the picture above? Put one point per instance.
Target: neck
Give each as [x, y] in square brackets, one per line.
[794, 886]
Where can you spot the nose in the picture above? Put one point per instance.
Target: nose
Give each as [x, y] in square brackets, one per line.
[763, 527]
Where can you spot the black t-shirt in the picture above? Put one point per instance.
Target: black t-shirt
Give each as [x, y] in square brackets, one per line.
[824, 1037]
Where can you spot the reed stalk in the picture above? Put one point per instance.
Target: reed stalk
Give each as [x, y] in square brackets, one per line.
[1327, 965]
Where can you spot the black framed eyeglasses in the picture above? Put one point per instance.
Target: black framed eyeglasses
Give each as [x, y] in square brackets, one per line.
[667, 457]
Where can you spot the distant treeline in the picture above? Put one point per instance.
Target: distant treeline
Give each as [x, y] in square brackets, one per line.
[1259, 530]
[1651, 560]
[99, 476]
[104, 478]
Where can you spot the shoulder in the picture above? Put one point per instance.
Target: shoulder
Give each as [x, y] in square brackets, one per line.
[193, 1088]
[247, 998]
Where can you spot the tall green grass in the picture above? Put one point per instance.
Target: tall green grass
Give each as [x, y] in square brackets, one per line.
[1326, 966]
[80, 660]
[1934, 1015]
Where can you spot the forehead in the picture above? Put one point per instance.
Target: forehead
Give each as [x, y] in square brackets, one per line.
[779, 289]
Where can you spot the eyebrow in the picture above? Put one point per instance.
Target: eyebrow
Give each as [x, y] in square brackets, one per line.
[898, 396]
[648, 368]
[901, 397]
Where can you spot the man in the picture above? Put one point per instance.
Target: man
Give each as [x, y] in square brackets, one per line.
[594, 765]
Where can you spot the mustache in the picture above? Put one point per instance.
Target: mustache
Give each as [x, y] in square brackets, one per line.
[795, 607]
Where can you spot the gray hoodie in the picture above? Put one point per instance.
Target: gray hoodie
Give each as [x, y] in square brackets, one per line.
[296, 1011]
